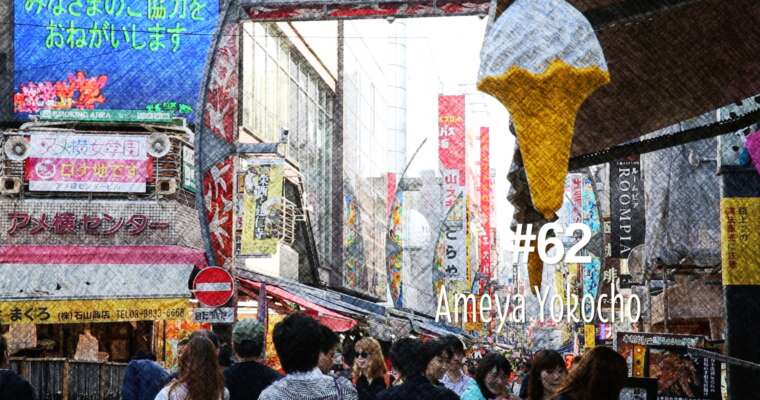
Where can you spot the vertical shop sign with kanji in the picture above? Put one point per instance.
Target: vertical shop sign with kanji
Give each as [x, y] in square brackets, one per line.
[626, 205]
[451, 154]
[87, 163]
[262, 207]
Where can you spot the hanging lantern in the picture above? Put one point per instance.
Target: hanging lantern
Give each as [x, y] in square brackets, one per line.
[542, 59]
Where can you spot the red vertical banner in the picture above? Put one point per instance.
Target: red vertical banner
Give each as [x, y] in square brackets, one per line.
[391, 180]
[485, 205]
[451, 136]
[451, 155]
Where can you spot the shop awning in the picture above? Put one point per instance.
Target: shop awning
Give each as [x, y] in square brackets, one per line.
[152, 255]
[79, 284]
[327, 317]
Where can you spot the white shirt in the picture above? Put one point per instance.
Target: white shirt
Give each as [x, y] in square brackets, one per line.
[457, 387]
[180, 393]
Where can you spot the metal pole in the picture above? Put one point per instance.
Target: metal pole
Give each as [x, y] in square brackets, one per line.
[665, 311]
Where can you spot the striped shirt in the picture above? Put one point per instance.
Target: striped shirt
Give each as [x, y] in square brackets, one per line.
[312, 385]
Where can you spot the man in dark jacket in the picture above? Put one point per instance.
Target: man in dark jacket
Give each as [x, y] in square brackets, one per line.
[247, 378]
[143, 378]
[410, 361]
[12, 386]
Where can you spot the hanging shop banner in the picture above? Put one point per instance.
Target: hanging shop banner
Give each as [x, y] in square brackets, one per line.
[262, 207]
[627, 206]
[92, 311]
[589, 335]
[485, 206]
[740, 235]
[116, 55]
[451, 155]
[394, 256]
[188, 169]
[665, 357]
[87, 163]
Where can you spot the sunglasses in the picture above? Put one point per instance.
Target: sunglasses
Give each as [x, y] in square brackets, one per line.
[363, 354]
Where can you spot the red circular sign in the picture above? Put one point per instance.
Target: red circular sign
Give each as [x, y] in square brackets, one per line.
[213, 286]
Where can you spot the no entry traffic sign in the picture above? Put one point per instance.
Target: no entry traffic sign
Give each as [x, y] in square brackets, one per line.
[213, 286]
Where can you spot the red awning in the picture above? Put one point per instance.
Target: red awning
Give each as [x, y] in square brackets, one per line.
[22, 254]
[331, 319]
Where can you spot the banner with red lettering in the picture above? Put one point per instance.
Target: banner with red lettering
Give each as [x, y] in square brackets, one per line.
[485, 205]
[87, 163]
[451, 153]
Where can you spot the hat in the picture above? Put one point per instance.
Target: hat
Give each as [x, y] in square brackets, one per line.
[248, 329]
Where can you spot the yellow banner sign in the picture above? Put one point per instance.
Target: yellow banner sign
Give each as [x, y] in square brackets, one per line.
[262, 207]
[589, 335]
[740, 240]
[86, 311]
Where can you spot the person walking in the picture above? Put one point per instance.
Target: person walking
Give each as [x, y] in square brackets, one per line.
[247, 378]
[369, 376]
[200, 377]
[12, 386]
[297, 341]
[490, 379]
[143, 378]
[600, 375]
[438, 353]
[455, 378]
[410, 362]
[546, 375]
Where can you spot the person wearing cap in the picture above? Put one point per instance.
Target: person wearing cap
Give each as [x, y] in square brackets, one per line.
[247, 378]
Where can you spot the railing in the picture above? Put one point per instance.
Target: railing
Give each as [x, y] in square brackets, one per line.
[59, 378]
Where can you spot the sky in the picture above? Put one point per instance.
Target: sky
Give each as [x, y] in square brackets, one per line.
[443, 57]
[450, 47]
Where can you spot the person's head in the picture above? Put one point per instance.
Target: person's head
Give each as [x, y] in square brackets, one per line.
[369, 358]
[199, 370]
[547, 374]
[327, 346]
[248, 339]
[406, 359]
[436, 356]
[297, 339]
[600, 375]
[456, 349]
[208, 335]
[347, 353]
[492, 375]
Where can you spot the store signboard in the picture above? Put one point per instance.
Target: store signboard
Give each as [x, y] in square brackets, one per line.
[92, 311]
[665, 357]
[221, 315]
[262, 207]
[188, 169]
[98, 222]
[451, 156]
[87, 163]
[110, 55]
[106, 116]
[627, 206]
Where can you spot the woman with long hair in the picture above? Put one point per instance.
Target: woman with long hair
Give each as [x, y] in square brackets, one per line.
[546, 375]
[369, 375]
[200, 377]
[600, 375]
[491, 379]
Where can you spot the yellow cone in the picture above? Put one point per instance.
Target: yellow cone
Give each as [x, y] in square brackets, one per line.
[543, 108]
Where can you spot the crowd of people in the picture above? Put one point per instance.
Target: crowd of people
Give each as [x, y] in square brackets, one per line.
[414, 369]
